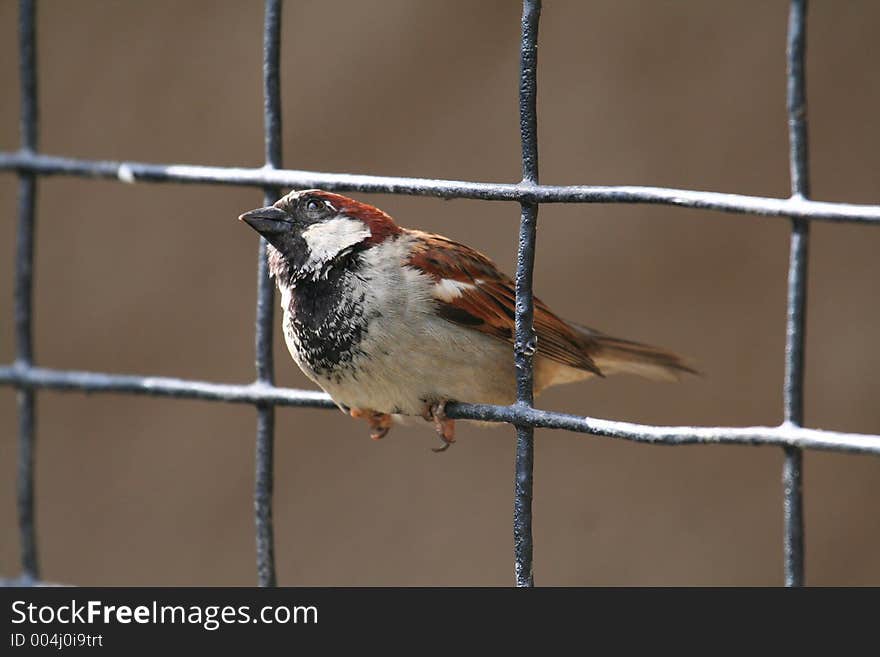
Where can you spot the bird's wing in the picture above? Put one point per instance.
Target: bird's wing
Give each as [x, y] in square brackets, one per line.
[470, 291]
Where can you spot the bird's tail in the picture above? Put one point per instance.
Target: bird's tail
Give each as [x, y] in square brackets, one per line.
[615, 355]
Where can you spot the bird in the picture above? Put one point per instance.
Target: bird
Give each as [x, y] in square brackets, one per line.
[392, 321]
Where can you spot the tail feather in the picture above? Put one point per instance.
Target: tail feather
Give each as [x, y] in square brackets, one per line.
[615, 355]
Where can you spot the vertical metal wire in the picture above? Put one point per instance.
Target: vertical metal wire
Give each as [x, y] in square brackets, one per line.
[263, 480]
[795, 329]
[526, 340]
[23, 295]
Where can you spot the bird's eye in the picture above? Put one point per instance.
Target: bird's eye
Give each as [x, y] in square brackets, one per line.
[314, 209]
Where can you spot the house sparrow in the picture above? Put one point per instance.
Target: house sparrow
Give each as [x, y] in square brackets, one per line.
[389, 320]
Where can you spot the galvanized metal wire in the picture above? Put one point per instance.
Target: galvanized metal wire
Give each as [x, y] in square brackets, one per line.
[795, 328]
[264, 456]
[525, 337]
[23, 296]
[27, 377]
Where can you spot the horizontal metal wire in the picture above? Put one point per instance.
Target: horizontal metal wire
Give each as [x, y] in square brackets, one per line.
[131, 172]
[160, 386]
[258, 393]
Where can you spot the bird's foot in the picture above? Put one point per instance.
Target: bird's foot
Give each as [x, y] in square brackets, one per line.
[436, 412]
[380, 423]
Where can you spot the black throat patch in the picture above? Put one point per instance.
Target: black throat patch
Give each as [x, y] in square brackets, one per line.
[328, 319]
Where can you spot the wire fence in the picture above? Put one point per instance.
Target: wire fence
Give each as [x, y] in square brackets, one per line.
[26, 377]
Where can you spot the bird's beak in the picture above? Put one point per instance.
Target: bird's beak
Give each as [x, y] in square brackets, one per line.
[267, 221]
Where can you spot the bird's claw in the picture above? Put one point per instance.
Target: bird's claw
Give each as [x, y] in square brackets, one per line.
[380, 423]
[436, 412]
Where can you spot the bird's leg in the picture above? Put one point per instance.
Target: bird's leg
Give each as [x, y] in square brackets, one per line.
[379, 423]
[436, 412]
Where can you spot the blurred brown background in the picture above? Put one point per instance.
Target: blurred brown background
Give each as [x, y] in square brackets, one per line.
[159, 279]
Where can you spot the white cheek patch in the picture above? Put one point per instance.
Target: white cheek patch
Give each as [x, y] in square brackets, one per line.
[449, 290]
[328, 239]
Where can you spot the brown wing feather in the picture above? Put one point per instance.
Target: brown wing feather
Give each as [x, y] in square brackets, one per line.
[486, 302]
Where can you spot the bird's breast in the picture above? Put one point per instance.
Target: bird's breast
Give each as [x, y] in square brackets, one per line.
[324, 324]
[370, 337]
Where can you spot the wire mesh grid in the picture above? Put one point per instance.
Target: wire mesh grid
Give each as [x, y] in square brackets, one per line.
[26, 377]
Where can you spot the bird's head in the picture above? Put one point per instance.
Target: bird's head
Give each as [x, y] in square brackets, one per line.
[311, 231]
